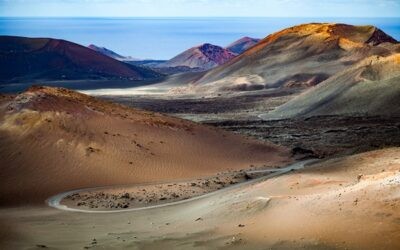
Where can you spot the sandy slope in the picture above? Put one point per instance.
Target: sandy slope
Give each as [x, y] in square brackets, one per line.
[346, 203]
[54, 140]
[302, 55]
[371, 87]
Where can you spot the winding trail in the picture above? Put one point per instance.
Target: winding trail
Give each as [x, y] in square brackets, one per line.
[55, 200]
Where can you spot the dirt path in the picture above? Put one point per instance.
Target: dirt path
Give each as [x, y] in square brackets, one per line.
[55, 201]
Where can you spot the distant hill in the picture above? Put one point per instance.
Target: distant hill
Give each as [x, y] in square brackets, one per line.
[26, 59]
[205, 56]
[243, 44]
[111, 53]
[300, 56]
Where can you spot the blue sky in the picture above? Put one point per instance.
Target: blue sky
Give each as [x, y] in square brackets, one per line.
[177, 8]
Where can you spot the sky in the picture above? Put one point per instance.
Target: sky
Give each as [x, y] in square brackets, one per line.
[199, 8]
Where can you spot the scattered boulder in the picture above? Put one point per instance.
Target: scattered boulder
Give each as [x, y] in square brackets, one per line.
[302, 152]
[125, 196]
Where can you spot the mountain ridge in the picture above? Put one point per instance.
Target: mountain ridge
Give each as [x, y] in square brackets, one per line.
[312, 50]
[25, 59]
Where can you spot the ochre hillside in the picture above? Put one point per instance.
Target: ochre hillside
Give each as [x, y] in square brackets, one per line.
[300, 56]
[53, 140]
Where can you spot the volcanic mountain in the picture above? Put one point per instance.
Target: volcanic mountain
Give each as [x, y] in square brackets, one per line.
[243, 44]
[110, 53]
[299, 56]
[205, 56]
[24, 59]
[53, 140]
[370, 87]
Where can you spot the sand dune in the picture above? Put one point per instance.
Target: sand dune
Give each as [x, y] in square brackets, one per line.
[344, 203]
[53, 140]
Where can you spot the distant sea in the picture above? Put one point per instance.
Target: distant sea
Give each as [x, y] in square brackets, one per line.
[163, 38]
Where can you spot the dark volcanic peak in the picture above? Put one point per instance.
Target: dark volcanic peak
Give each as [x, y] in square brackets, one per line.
[379, 37]
[215, 53]
[243, 44]
[24, 59]
[204, 56]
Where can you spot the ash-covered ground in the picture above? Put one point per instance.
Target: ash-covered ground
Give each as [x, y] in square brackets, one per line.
[320, 136]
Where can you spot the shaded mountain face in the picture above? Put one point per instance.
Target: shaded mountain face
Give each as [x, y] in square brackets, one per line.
[24, 59]
[243, 44]
[371, 87]
[54, 140]
[205, 56]
[155, 65]
[299, 56]
[110, 53]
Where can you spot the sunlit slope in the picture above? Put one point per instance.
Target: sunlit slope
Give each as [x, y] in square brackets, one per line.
[371, 87]
[300, 56]
[54, 140]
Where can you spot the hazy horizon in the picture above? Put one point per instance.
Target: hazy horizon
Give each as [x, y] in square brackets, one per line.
[164, 37]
